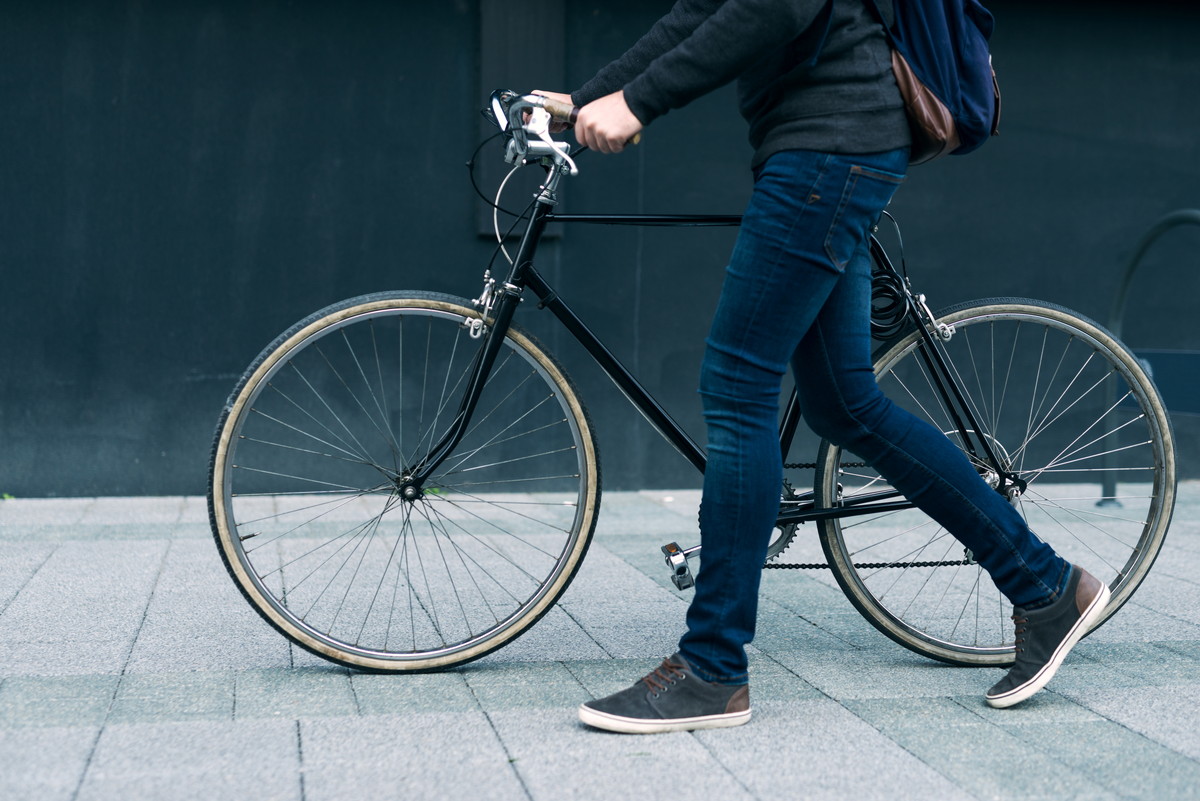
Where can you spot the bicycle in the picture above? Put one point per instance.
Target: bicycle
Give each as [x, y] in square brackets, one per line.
[406, 481]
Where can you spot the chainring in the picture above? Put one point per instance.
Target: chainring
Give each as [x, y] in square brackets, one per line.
[782, 536]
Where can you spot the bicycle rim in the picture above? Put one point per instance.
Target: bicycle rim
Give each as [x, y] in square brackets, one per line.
[1064, 406]
[308, 463]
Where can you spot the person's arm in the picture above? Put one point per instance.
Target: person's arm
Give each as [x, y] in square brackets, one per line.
[676, 25]
[724, 44]
[698, 46]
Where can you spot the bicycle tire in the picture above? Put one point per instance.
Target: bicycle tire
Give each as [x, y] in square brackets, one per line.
[1067, 430]
[307, 464]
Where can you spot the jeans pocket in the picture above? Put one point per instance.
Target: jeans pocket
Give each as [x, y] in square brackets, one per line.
[864, 198]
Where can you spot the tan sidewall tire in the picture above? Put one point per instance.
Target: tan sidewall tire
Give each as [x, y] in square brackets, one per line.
[247, 390]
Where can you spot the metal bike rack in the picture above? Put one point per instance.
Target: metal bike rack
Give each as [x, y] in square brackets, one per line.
[1116, 320]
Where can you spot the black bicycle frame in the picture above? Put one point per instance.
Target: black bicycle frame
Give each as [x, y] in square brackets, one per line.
[801, 507]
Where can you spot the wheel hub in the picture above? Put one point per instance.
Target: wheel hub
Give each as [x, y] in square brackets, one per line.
[1005, 481]
[408, 489]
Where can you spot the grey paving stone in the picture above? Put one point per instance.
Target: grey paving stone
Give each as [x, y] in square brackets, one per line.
[43, 764]
[771, 681]
[559, 758]
[42, 511]
[780, 628]
[1137, 622]
[849, 628]
[815, 749]
[86, 590]
[379, 694]
[215, 631]
[1124, 762]
[208, 700]
[874, 674]
[167, 697]
[897, 714]
[194, 531]
[141, 510]
[418, 755]
[78, 532]
[293, 694]
[194, 511]
[682, 502]
[1078, 674]
[556, 636]
[634, 518]
[196, 760]
[989, 762]
[54, 701]
[20, 562]
[804, 593]
[533, 685]
[601, 677]
[66, 656]
[1048, 708]
[1165, 715]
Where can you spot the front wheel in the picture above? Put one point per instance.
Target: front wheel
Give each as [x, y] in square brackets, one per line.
[324, 536]
[1064, 406]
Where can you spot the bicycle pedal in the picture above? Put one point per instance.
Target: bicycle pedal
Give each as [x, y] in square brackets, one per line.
[676, 558]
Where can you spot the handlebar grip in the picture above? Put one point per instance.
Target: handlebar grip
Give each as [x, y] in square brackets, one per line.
[561, 111]
[569, 114]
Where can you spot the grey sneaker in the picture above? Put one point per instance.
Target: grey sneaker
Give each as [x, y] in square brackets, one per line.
[1046, 635]
[670, 698]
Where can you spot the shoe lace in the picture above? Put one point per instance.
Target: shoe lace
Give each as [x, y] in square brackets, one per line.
[1021, 624]
[665, 674]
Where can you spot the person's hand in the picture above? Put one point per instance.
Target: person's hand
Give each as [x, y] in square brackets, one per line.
[557, 126]
[607, 124]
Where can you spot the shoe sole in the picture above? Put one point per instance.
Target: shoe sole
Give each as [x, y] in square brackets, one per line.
[1040, 679]
[624, 725]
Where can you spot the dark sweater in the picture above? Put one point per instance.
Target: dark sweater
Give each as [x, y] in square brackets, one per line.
[847, 102]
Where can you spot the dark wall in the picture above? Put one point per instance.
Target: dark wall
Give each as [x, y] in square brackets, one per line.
[182, 181]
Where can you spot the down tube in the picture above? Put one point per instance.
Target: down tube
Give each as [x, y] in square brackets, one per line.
[625, 381]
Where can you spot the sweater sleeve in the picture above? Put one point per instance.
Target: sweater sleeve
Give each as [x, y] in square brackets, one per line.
[678, 24]
[698, 46]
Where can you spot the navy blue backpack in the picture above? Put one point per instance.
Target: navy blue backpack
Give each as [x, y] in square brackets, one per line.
[944, 71]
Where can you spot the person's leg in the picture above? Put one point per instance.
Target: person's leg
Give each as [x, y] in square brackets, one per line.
[1054, 603]
[806, 218]
[808, 214]
[841, 401]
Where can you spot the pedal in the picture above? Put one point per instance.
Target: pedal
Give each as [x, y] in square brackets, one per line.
[676, 557]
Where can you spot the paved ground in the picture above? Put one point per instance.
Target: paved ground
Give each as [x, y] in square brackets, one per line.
[130, 667]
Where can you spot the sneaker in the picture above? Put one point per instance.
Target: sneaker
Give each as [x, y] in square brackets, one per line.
[671, 698]
[1046, 635]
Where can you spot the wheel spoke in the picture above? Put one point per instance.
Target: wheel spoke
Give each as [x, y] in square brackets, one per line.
[314, 501]
[1062, 406]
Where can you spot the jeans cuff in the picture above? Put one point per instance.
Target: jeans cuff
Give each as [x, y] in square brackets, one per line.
[715, 678]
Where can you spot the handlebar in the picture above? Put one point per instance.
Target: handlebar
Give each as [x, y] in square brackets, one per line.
[526, 118]
[560, 111]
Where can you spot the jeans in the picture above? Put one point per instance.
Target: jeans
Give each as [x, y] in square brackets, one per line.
[797, 290]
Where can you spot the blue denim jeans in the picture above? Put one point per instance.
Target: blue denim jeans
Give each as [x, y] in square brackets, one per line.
[797, 290]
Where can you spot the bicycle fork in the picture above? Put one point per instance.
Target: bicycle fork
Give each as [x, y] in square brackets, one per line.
[412, 483]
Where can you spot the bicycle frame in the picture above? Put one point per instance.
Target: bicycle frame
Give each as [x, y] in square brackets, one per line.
[801, 507]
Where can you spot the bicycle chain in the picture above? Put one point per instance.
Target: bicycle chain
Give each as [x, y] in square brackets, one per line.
[863, 566]
[813, 465]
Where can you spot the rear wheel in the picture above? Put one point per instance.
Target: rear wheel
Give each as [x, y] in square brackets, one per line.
[1067, 408]
[308, 485]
